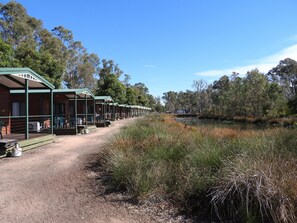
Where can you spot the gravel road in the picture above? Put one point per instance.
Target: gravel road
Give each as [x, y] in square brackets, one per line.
[54, 184]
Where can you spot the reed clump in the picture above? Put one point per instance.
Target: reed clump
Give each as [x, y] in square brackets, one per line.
[217, 175]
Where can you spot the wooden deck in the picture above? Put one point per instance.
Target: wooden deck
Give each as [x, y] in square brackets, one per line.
[36, 140]
[64, 131]
[21, 136]
[39, 139]
[72, 131]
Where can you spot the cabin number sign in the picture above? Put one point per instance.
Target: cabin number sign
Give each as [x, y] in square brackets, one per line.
[27, 76]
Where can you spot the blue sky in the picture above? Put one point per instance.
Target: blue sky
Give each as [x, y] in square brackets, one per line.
[167, 44]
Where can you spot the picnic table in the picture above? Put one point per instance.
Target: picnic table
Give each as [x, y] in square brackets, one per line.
[6, 144]
[82, 129]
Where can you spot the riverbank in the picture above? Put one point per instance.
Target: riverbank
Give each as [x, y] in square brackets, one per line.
[207, 174]
[290, 121]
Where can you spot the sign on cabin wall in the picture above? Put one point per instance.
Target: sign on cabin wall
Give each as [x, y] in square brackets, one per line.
[27, 76]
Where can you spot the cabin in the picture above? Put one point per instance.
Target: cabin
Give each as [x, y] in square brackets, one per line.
[122, 111]
[74, 111]
[115, 111]
[105, 110]
[23, 114]
[135, 110]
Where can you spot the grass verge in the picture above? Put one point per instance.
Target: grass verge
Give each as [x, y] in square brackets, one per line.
[217, 175]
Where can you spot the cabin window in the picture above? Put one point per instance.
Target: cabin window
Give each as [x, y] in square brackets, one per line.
[90, 109]
[18, 108]
[59, 109]
[71, 110]
[41, 105]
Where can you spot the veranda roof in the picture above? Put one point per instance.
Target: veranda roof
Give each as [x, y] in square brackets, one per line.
[103, 99]
[81, 93]
[15, 78]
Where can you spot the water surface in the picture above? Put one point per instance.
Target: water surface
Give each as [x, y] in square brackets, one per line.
[210, 123]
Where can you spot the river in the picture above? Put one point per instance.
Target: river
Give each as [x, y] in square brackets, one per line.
[210, 123]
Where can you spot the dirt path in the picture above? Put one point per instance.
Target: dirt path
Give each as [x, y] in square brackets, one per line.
[53, 184]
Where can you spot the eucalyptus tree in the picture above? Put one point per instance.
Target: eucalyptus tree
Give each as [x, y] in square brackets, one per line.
[7, 58]
[276, 102]
[186, 100]
[221, 95]
[81, 67]
[170, 100]
[142, 94]
[33, 45]
[113, 87]
[131, 97]
[256, 92]
[109, 67]
[127, 80]
[201, 96]
[152, 103]
[159, 107]
[109, 83]
[88, 71]
[16, 26]
[285, 73]
[236, 95]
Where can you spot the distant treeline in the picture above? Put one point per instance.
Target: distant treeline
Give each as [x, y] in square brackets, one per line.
[256, 95]
[62, 60]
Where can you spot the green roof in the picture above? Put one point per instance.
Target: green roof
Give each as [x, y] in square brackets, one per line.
[14, 78]
[114, 103]
[68, 92]
[81, 92]
[104, 98]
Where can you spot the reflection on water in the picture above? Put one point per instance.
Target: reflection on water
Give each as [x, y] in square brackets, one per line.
[209, 123]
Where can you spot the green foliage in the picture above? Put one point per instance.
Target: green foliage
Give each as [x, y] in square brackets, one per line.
[158, 106]
[7, 58]
[16, 25]
[130, 96]
[31, 45]
[122, 92]
[81, 67]
[113, 87]
[170, 99]
[285, 73]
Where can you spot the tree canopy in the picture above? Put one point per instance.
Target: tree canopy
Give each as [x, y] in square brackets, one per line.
[256, 95]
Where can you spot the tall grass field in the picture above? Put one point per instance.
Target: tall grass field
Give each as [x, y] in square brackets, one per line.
[219, 175]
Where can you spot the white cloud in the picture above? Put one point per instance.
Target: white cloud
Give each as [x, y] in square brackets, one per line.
[263, 64]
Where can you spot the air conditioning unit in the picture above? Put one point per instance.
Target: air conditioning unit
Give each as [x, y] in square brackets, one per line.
[34, 127]
[79, 121]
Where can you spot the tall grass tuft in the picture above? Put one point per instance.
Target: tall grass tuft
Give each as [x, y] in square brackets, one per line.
[217, 174]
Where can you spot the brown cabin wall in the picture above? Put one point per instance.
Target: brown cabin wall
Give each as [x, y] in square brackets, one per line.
[5, 109]
[81, 110]
[81, 106]
[39, 104]
[62, 99]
